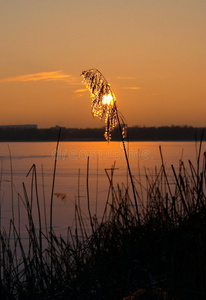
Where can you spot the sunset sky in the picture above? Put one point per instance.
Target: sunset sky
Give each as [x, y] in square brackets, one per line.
[152, 52]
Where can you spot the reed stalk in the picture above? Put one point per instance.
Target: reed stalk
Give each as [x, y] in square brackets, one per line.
[51, 204]
[88, 199]
[128, 167]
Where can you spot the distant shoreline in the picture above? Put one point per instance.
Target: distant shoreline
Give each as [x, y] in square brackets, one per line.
[135, 134]
[112, 141]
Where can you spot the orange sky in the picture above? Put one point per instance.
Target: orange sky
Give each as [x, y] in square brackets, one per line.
[151, 52]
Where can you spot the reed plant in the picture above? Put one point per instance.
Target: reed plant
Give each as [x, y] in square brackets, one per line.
[104, 106]
[114, 257]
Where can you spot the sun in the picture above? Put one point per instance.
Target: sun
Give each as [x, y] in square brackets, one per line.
[107, 99]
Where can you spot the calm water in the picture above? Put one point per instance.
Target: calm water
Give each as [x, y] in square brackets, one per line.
[72, 159]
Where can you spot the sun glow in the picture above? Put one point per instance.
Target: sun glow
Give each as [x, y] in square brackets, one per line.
[107, 99]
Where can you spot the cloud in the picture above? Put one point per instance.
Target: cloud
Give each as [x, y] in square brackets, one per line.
[80, 90]
[47, 76]
[131, 88]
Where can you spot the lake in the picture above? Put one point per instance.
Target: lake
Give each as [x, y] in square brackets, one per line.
[71, 174]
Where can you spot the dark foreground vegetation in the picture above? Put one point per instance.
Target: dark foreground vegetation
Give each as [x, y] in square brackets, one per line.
[114, 257]
[164, 133]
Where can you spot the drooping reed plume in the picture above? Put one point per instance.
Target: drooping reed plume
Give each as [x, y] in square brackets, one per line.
[103, 103]
[104, 106]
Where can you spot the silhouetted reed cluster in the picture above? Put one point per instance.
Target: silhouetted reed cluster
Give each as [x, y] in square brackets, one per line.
[160, 255]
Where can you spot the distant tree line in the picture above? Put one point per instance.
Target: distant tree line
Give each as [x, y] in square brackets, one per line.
[164, 133]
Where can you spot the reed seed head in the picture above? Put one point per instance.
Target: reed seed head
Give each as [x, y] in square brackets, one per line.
[103, 102]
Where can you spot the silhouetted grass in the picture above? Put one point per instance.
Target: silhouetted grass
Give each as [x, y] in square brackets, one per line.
[163, 258]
